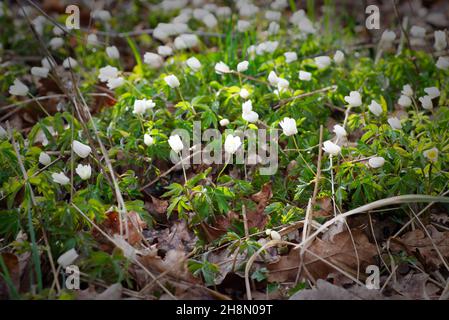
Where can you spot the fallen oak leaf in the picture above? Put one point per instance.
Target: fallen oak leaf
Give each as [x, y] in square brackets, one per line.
[177, 237]
[227, 261]
[416, 286]
[111, 226]
[157, 206]
[264, 195]
[339, 252]
[417, 242]
[257, 218]
[174, 264]
[325, 207]
[220, 226]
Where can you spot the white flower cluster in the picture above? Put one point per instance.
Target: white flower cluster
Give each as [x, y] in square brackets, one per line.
[303, 23]
[110, 75]
[83, 171]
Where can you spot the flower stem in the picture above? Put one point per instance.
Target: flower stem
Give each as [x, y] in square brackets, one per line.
[182, 99]
[141, 124]
[39, 104]
[183, 170]
[223, 169]
[301, 156]
[332, 184]
[133, 86]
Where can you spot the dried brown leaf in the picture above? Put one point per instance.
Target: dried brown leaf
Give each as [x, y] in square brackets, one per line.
[174, 264]
[417, 242]
[111, 226]
[325, 207]
[257, 218]
[157, 206]
[416, 286]
[339, 252]
[327, 291]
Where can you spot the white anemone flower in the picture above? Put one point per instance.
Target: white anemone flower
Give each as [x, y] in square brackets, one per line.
[172, 81]
[426, 102]
[440, 40]
[60, 178]
[175, 143]
[395, 123]
[194, 64]
[113, 52]
[81, 149]
[305, 76]
[405, 101]
[375, 108]
[432, 92]
[273, 78]
[107, 73]
[273, 28]
[44, 158]
[232, 144]
[18, 88]
[40, 72]
[322, 62]
[339, 57]
[376, 162]
[164, 51]
[222, 68]
[142, 105]
[274, 235]
[56, 43]
[442, 63]
[354, 99]
[154, 60]
[247, 106]
[331, 148]
[418, 32]
[92, 39]
[115, 82]
[290, 57]
[387, 39]
[67, 258]
[210, 21]
[242, 66]
[84, 171]
[243, 25]
[407, 90]
[148, 140]
[340, 131]
[69, 63]
[244, 94]
[251, 116]
[288, 126]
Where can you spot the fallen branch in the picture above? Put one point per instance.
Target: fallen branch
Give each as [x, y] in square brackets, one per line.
[304, 95]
